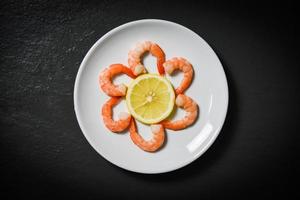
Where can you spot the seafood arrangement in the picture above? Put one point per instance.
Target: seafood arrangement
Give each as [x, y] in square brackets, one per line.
[150, 98]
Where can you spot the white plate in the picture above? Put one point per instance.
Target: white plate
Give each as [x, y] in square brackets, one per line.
[209, 89]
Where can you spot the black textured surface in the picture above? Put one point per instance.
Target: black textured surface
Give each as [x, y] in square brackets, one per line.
[43, 152]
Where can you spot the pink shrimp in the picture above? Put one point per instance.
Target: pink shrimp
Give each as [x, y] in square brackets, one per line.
[191, 108]
[106, 76]
[134, 57]
[124, 118]
[184, 66]
[151, 145]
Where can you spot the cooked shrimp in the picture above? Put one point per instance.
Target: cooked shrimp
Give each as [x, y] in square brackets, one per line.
[124, 117]
[151, 145]
[107, 75]
[184, 66]
[191, 108]
[134, 57]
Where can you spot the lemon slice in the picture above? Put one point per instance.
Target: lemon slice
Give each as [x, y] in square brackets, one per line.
[150, 98]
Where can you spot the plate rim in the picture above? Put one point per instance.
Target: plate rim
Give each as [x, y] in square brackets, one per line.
[76, 86]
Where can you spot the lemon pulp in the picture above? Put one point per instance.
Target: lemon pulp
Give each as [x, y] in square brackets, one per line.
[150, 98]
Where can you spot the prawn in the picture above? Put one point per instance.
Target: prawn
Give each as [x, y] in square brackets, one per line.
[124, 117]
[191, 108]
[134, 57]
[106, 76]
[184, 66]
[151, 145]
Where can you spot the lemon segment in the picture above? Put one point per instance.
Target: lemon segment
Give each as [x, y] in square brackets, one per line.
[150, 98]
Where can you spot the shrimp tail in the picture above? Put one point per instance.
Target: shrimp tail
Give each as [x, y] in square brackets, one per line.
[160, 55]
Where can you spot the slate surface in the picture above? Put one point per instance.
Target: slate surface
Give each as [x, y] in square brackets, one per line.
[43, 152]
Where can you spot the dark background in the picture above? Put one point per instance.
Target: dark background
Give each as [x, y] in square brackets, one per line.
[43, 152]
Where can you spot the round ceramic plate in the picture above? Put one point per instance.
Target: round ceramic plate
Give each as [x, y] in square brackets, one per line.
[209, 89]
